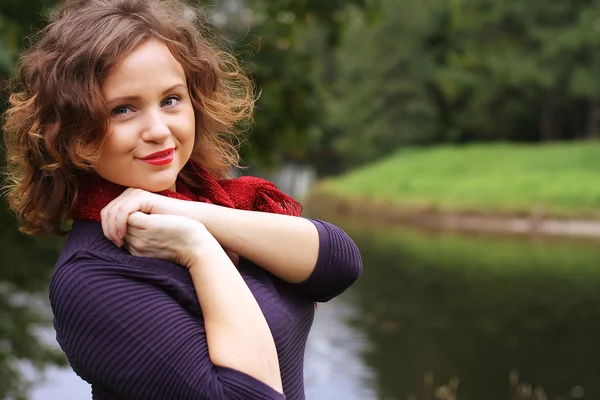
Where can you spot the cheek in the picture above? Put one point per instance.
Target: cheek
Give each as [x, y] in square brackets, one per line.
[189, 127]
[118, 144]
[192, 118]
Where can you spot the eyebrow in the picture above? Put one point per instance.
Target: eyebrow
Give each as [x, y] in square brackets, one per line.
[135, 98]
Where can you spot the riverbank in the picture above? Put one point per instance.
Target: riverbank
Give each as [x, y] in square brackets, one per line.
[517, 189]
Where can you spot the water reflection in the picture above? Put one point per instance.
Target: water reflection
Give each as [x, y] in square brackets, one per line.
[334, 368]
[26, 266]
[58, 383]
[484, 318]
[435, 316]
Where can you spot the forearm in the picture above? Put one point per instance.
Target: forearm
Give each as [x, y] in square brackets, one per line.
[237, 333]
[285, 246]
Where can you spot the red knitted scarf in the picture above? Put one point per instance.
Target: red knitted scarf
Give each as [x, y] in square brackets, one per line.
[245, 193]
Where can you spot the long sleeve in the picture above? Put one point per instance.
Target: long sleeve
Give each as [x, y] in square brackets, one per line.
[339, 264]
[133, 338]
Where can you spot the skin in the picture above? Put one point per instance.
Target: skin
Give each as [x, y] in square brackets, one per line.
[151, 111]
[285, 246]
[156, 114]
[237, 333]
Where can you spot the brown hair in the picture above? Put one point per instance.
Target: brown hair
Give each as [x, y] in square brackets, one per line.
[58, 120]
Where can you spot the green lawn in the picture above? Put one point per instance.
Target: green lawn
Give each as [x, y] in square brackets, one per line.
[561, 179]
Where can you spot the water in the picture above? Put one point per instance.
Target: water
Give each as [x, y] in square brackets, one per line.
[440, 316]
[450, 317]
[334, 368]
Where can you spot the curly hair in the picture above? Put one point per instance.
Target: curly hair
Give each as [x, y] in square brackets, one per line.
[57, 120]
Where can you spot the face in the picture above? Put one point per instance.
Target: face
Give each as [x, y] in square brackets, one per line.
[152, 130]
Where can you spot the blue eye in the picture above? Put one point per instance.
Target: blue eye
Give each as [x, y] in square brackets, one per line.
[120, 111]
[170, 101]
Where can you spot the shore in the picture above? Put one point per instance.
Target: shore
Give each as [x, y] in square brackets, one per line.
[507, 188]
[371, 212]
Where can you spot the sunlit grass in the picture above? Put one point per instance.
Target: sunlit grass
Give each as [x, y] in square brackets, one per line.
[560, 179]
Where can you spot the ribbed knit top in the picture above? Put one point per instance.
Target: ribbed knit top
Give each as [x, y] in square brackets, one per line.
[132, 327]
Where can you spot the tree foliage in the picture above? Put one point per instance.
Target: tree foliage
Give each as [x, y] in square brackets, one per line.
[466, 70]
[343, 82]
[282, 45]
[279, 59]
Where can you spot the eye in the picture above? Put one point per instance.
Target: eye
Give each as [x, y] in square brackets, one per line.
[120, 111]
[170, 101]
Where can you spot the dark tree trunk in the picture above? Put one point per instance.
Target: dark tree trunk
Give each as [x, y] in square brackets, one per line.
[549, 120]
[593, 117]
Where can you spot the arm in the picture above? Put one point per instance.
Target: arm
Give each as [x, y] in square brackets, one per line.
[295, 249]
[286, 246]
[132, 337]
[317, 257]
[237, 333]
[339, 264]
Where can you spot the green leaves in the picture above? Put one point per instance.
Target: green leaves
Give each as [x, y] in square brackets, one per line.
[289, 42]
[426, 73]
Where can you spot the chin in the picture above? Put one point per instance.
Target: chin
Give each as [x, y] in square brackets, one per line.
[156, 186]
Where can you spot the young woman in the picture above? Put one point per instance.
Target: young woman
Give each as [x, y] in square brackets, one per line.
[175, 282]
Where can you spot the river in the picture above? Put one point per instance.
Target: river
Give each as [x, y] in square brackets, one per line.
[443, 316]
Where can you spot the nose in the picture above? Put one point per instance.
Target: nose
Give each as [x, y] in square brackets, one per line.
[156, 128]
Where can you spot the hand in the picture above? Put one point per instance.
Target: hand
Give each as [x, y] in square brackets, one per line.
[115, 215]
[167, 237]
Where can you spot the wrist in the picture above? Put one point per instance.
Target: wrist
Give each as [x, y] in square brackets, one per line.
[206, 251]
[199, 211]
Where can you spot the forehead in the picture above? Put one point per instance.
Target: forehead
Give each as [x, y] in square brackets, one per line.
[150, 66]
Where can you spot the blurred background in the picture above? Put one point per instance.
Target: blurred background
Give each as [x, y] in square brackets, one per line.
[454, 140]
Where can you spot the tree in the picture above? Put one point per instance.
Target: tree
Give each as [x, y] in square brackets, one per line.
[457, 71]
[520, 70]
[288, 111]
[379, 97]
[283, 44]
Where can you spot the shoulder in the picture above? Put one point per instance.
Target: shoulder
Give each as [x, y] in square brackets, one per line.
[88, 253]
[91, 273]
[84, 280]
[86, 256]
[89, 269]
[91, 288]
[85, 236]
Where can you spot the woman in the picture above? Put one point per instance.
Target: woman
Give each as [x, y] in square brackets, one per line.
[174, 283]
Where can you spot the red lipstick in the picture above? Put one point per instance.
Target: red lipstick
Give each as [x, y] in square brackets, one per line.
[160, 157]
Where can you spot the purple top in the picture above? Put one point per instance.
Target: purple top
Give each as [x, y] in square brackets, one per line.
[132, 327]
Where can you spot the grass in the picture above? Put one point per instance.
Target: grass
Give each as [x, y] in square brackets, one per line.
[560, 179]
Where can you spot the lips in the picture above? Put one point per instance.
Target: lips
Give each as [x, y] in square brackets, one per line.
[160, 157]
[158, 154]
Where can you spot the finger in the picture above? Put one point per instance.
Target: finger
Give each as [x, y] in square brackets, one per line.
[125, 207]
[103, 221]
[104, 218]
[139, 220]
[131, 249]
[121, 217]
[135, 242]
[117, 212]
[110, 216]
